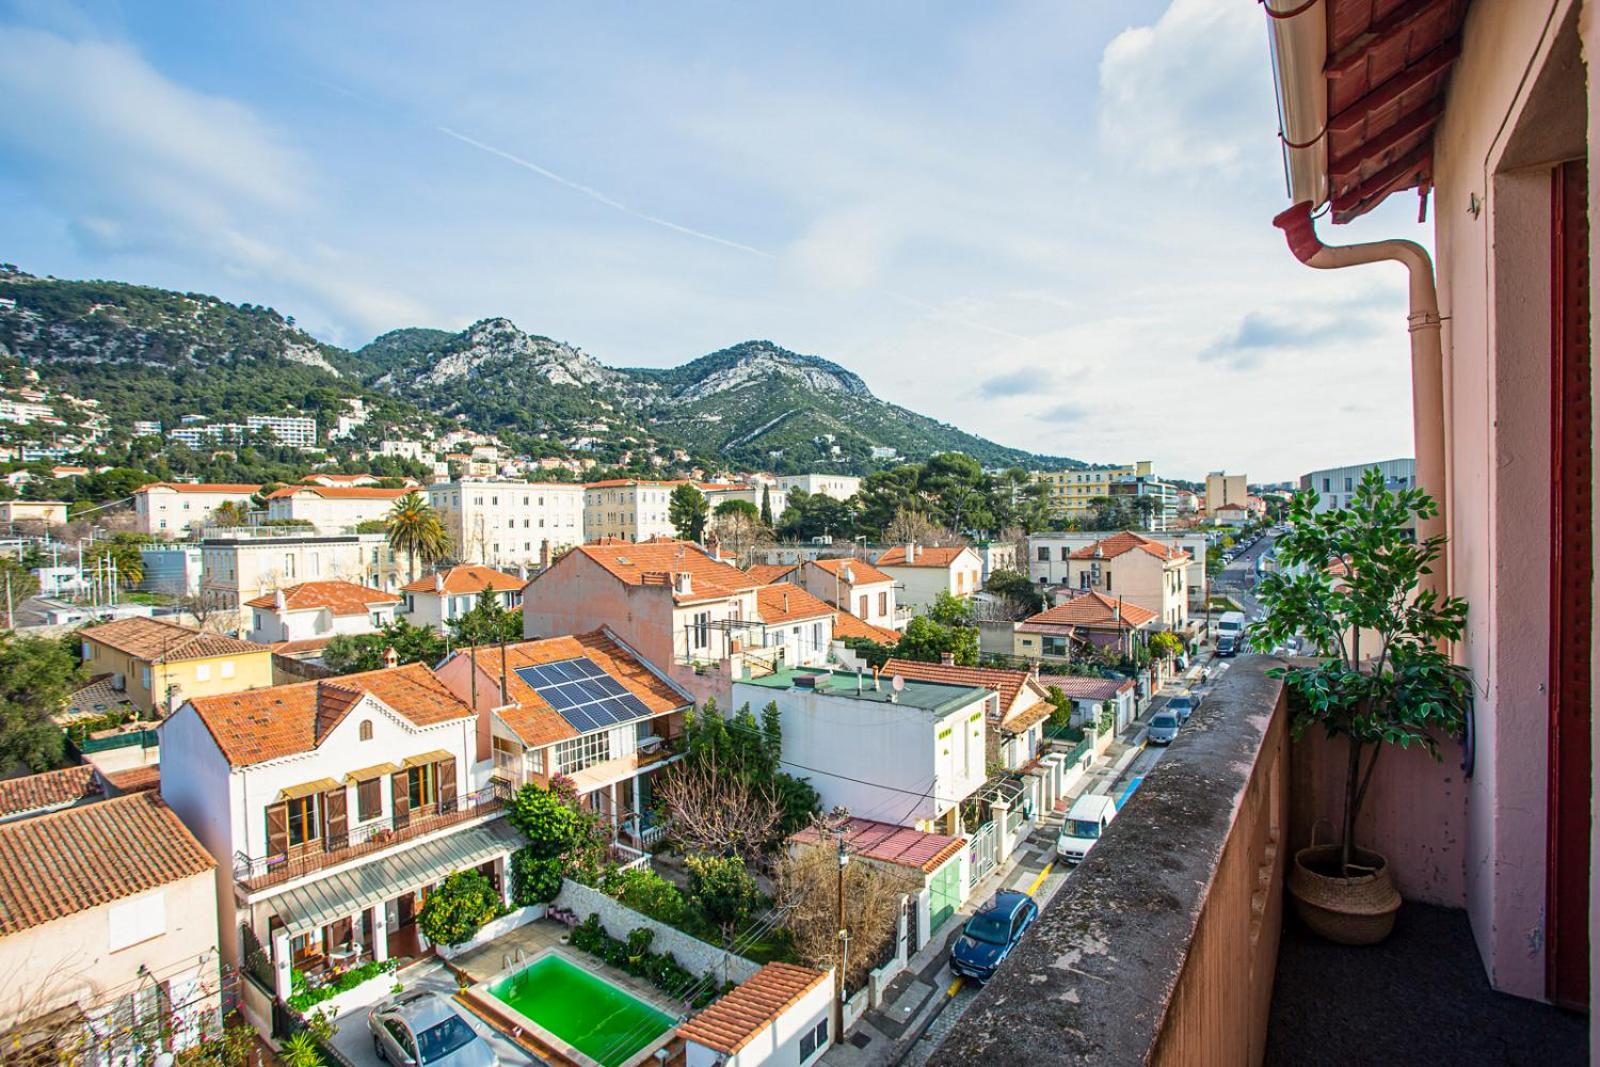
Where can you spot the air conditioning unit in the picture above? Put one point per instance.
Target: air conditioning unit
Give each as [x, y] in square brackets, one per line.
[119, 682]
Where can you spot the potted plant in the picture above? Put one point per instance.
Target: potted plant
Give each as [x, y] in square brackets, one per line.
[1348, 588]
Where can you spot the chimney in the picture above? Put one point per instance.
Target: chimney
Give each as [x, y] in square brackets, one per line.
[279, 601]
[438, 581]
[786, 602]
[911, 551]
[391, 658]
[681, 583]
[947, 659]
[544, 554]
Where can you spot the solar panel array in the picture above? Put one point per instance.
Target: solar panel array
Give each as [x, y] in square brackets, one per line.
[584, 694]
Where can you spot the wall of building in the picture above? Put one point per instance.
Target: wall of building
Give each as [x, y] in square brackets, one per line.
[779, 1044]
[505, 523]
[882, 597]
[243, 568]
[168, 513]
[200, 788]
[147, 683]
[328, 514]
[1335, 486]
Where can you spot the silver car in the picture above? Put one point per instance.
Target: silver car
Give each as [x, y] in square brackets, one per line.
[1163, 728]
[422, 1030]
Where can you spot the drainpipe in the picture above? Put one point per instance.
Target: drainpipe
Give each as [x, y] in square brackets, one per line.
[1427, 353]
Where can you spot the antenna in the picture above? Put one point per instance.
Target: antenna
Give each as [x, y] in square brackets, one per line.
[897, 683]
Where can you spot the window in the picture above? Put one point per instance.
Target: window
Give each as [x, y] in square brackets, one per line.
[144, 676]
[702, 629]
[814, 1040]
[1055, 646]
[1327, 483]
[369, 797]
[366, 729]
[536, 761]
[138, 919]
[1349, 485]
[883, 603]
[227, 668]
[1108, 581]
[1044, 553]
[88, 650]
[864, 602]
[304, 826]
[202, 672]
[580, 752]
[422, 785]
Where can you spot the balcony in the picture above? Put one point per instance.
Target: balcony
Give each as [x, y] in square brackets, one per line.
[264, 872]
[1170, 944]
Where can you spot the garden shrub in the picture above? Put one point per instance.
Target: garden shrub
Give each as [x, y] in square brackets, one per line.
[458, 908]
[662, 969]
[535, 879]
[303, 996]
[722, 888]
[648, 893]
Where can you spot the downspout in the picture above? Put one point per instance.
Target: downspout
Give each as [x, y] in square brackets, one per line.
[1427, 353]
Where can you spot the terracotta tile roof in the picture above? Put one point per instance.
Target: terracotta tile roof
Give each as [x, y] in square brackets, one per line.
[617, 483]
[846, 624]
[739, 1017]
[924, 557]
[888, 842]
[1128, 541]
[258, 725]
[862, 572]
[340, 492]
[467, 578]
[52, 789]
[159, 640]
[1091, 610]
[534, 720]
[654, 562]
[137, 779]
[68, 861]
[341, 598]
[767, 573]
[233, 488]
[303, 646]
[787, 603]
[1080, 687]
[1009, 684]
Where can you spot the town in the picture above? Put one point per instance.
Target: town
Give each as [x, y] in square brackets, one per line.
[461, 699]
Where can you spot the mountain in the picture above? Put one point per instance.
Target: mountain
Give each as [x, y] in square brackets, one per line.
[149, 353]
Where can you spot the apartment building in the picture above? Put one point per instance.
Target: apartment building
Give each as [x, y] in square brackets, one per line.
[1223, 489]
[717, 493]
[294, 431]
[240, 565]
[108, 932]
[303, 618]
[628, 509]
[337, 804]
[1336, 486]
[921, 573]
[1014, 728]
[1137, 569]
[838, 486]
[851, 585]
[1150, 497]
[1050, 556]
[180, 509]
[332, 508]
[156, 664]
[510, 523]
[1072, 493]
[444, 596]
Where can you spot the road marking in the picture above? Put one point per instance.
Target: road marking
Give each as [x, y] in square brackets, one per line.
[955, 987]
[1039, 881]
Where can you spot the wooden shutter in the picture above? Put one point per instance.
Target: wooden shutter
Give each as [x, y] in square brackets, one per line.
[447, 784]
[369, 799]
[277, 830]
[338, 834]
[400, 798]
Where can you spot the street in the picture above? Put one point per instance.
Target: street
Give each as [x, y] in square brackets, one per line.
[1237, 580]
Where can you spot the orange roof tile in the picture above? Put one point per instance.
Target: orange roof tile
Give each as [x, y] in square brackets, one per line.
[340, 492]
[1083, 687]
[846, 624]
[1127, 541]
[1009, 684]
[282, 720]
[786, 603]
[159, 640]
[339, 597]
[467, 578]
[1092, 610]
[617, 483]
[137, 779]
[889, 842]
[654, 562]
[68, 861]
[924, 557]
[767, 573]
[862, 572]
[739, 1017]
[234, 488]
[52, 789]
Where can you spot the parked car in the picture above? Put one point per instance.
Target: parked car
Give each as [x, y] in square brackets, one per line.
[1184, 705]
[1163, 727]
[422, 1030]
[991, 934]
[1229, 645]
[1090, 815]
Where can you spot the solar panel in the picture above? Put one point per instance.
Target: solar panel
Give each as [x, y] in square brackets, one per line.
[584, 694]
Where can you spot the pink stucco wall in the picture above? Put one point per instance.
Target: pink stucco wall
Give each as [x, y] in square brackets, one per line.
[1589, 33]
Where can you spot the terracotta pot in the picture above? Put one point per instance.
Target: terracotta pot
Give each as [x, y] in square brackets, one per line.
[1358, 910]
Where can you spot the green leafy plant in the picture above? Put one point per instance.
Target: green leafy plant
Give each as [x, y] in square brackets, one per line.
[722, 888]
[535, 879]
[302, 996]
[300, 1050]
[1351, 588]
[458, 908]
[1166, 644]
[646, 892]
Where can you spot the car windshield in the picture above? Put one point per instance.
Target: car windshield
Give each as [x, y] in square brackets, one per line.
[439, 1041]
[1178, 702]
[991, 926]
[1083, 828]
[1164, 720]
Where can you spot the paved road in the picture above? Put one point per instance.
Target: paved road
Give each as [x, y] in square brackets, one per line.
[1237, 579]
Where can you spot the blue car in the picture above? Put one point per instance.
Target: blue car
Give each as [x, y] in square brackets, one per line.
[991, 934]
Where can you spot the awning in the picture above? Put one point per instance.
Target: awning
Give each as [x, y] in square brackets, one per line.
[306, 789]
[340, 895]
[438, 755]
[377, 770]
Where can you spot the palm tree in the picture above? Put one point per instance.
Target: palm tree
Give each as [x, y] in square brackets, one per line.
[415, 529]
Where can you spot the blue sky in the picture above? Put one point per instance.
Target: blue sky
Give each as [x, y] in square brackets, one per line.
[1047, 223]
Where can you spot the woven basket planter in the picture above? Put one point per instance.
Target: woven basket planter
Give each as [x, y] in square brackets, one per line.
[1358, 910]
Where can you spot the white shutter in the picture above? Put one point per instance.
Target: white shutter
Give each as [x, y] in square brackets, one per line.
[138, 919]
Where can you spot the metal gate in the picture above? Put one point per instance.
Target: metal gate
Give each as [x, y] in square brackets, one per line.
[982, 851]
[944, 893]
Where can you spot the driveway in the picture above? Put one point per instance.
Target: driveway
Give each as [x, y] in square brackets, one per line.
[353, 1041]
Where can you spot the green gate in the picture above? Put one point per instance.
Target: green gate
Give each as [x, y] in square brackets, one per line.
[944, 893]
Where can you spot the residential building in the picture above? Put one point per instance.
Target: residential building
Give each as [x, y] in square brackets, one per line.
[851, 585]
[1014, 730]
[1108, 624]
[717, 493]
[1138, 569]
[671, 602]
[179, 509]
[108, 934]
[846, 625]
[343, 481]
[1336, 486]
[23, 412]
[241, 564]
[996, 556]
[302, 619]
[1050, 556]
[779, 1016]
[146, 428]
[160, 664]
[332, 509]
[171, 569]
[509, 523]
[1223, 489]
[1071, 494]
[39, 794]
[1155, 500]
[338, 803]
[293, 431]
[444, 596]
[916, 751]
[627, 508]
[49, 512]
[1233, 515]
[1188, 504]
[1089, 696]
[202, 434]
[585, 706]
[921, 573]
[796, 622]
[838, 486]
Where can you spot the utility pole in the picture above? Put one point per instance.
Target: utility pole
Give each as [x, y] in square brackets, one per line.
[844, 945]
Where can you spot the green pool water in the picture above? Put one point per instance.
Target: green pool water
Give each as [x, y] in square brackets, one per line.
[589, 1013]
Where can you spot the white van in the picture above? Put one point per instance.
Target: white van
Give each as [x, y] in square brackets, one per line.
[1231, 624]
[1085, 823]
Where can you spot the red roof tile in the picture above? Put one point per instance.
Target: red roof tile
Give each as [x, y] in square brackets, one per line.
[340, 492]
[231, 488]
[656, 561]
[467, 578]
[341, 598]
[137, 779]
[1128, 541]
[52, 789]
[861, 572]
[923, 557]
[739, 1017]
[890, 843]
[767, 573]
[160, 641]
[1081, 687]
[1009, 684]
[1092, 610]
[787, 603]
[846, 624]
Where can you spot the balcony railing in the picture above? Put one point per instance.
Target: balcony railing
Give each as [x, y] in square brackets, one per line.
[263, 872]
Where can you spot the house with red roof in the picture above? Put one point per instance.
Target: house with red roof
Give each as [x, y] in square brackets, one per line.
[857, 586]
[922, 572]
[780, 1015]
[439, 598]
[331, 508]
[175, 509]
[796, 623]
[299, 620]
[1154, 574]
[1086, 621]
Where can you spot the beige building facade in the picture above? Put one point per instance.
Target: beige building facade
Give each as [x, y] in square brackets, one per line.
[180, 509]
[247, 564]
[332, 508]
[1071, 493]
[627, 509]
[160, 664]
[1223, 489]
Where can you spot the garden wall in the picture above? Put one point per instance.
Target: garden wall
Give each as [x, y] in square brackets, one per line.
[493, 929]
[618, 919]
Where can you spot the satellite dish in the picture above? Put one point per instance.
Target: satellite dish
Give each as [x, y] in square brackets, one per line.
[897, 683]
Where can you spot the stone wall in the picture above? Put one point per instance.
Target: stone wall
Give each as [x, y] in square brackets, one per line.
[618, 919]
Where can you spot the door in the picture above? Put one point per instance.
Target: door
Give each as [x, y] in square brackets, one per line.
[1571, 578]
[944, 891]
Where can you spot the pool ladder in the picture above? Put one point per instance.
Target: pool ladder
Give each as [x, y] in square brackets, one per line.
[508, 960]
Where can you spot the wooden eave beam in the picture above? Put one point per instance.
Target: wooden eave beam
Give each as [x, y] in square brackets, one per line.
[1386, 181]
[1434, 63]
[1348, 166]
[1402, 20]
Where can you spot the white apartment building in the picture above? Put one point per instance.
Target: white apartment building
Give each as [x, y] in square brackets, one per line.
[178, 509]
[295, 431]
[332, 508]
[1335, 486]
[146, 428]
[240, 565]
[22, 412]
[717, 493]
[628, 509]
[838, 486]
[509, 523]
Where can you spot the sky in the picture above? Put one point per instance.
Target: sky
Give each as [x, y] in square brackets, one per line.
[1046, 223]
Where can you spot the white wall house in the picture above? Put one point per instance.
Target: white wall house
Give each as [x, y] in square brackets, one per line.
[779, 1017]
[838, 486]
[176, 509]
[505, 523]
[332, 508]
[795, 622]
[1050, 555]
[449, 594]
[856, 586]
[923, 573]
[315, 611]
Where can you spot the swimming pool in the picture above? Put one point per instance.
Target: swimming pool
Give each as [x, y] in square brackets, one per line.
[603, 1022]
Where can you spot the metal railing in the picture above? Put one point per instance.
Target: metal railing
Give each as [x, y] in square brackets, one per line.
[261, 872]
